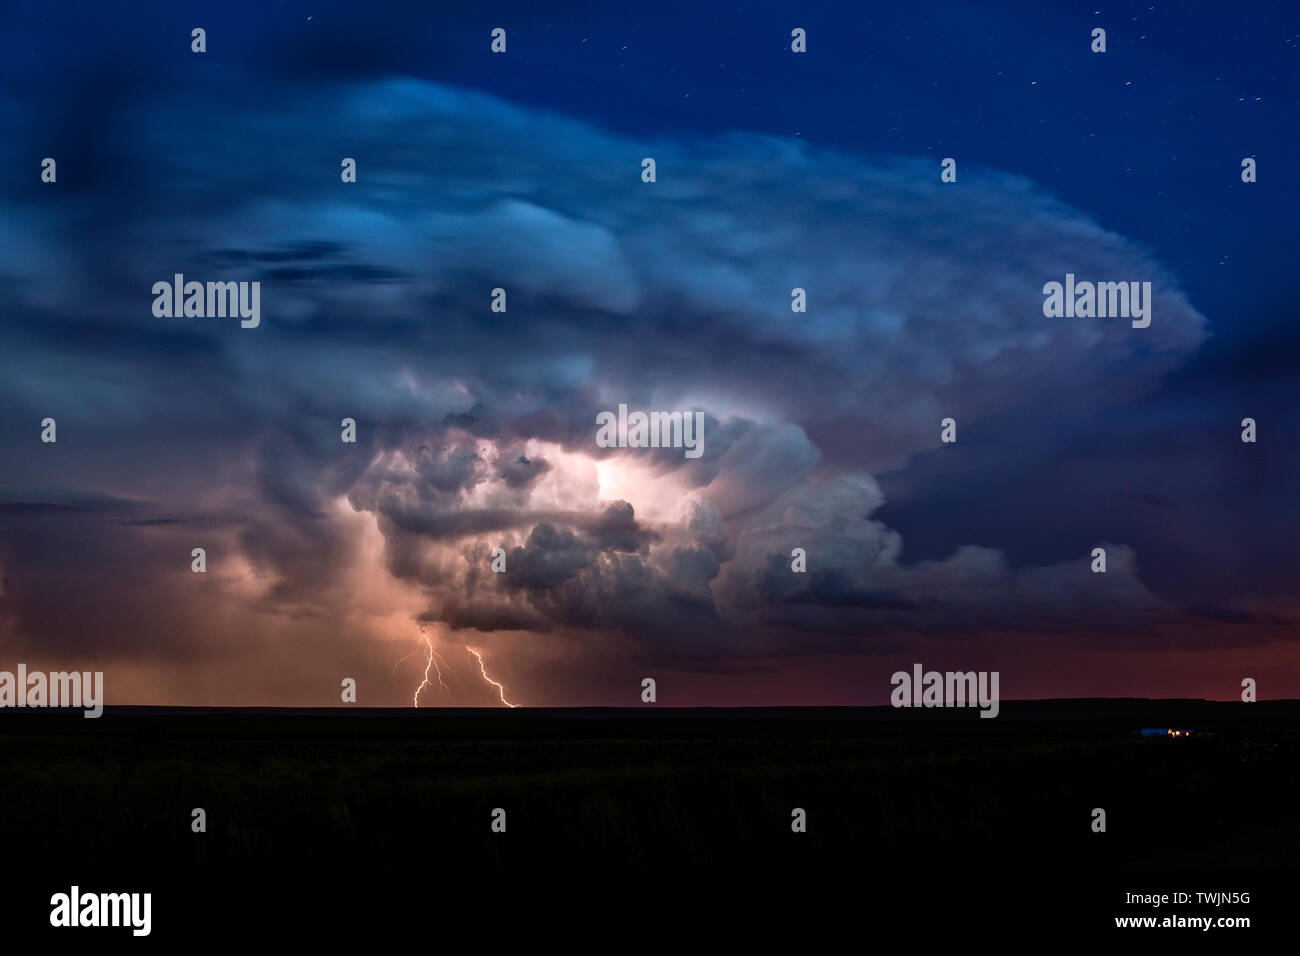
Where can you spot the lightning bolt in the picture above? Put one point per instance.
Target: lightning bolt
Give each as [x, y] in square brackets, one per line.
[431, 661]
[500, 690]
[436, 658]
[401, 661]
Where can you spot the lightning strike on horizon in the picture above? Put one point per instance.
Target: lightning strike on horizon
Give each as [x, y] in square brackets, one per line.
[500, 690]
[430, 661]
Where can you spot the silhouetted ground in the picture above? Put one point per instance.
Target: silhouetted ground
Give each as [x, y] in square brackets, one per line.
[930, 809]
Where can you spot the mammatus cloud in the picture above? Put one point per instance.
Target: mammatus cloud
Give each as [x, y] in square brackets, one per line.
[476, 428]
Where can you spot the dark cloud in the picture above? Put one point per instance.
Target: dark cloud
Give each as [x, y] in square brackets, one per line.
[476, 429]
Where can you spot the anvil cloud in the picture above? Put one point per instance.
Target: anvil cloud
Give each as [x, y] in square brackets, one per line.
[477, 429]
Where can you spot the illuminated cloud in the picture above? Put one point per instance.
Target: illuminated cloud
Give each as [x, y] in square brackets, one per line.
[477, 428]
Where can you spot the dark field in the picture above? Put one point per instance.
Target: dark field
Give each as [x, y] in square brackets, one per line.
[333, 799]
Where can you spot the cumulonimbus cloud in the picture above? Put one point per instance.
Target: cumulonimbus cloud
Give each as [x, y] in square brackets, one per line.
[924, 301]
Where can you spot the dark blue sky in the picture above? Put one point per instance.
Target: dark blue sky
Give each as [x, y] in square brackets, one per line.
[1139, 137]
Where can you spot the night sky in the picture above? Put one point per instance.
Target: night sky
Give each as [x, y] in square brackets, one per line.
[476, 429]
